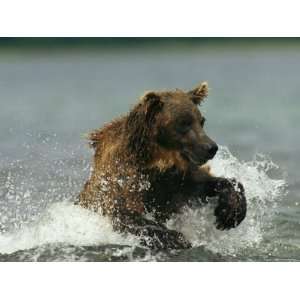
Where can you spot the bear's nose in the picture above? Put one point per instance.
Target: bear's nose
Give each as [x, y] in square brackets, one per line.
[211, 149]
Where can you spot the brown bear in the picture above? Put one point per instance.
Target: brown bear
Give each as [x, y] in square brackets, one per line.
[152, 162]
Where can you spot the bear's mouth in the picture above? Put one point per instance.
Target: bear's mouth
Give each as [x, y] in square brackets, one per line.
[190, 157]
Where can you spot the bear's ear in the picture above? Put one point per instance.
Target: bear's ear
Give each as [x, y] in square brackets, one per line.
[199, 93]
[152, 104]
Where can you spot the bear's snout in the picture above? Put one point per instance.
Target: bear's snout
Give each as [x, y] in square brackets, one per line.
[211, 149]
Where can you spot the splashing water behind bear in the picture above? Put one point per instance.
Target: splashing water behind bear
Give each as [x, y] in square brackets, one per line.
[262, 192]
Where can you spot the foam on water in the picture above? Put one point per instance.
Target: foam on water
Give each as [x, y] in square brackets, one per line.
[64, 223]
[71, 225]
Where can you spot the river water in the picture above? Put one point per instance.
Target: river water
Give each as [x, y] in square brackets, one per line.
[51, 98]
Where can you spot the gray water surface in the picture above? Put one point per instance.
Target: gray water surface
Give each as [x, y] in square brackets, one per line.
[49, 99]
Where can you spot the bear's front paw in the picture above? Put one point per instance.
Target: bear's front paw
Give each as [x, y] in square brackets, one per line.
[163, 239]
[232, 205]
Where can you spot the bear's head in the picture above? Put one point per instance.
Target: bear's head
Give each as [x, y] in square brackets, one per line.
[171, 122]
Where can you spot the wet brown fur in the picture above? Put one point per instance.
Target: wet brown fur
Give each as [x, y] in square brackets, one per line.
[130, 167]
[114, 160]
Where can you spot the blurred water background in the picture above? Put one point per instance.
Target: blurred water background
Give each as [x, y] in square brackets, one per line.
[52, 91]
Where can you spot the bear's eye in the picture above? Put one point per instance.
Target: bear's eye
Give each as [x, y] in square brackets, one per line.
[202, 122]
[184, 126]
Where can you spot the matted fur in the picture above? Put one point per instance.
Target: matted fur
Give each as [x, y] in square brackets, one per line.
[133, 173]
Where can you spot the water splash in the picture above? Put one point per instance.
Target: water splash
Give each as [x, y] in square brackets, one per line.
[65, 224]
[262, 192]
